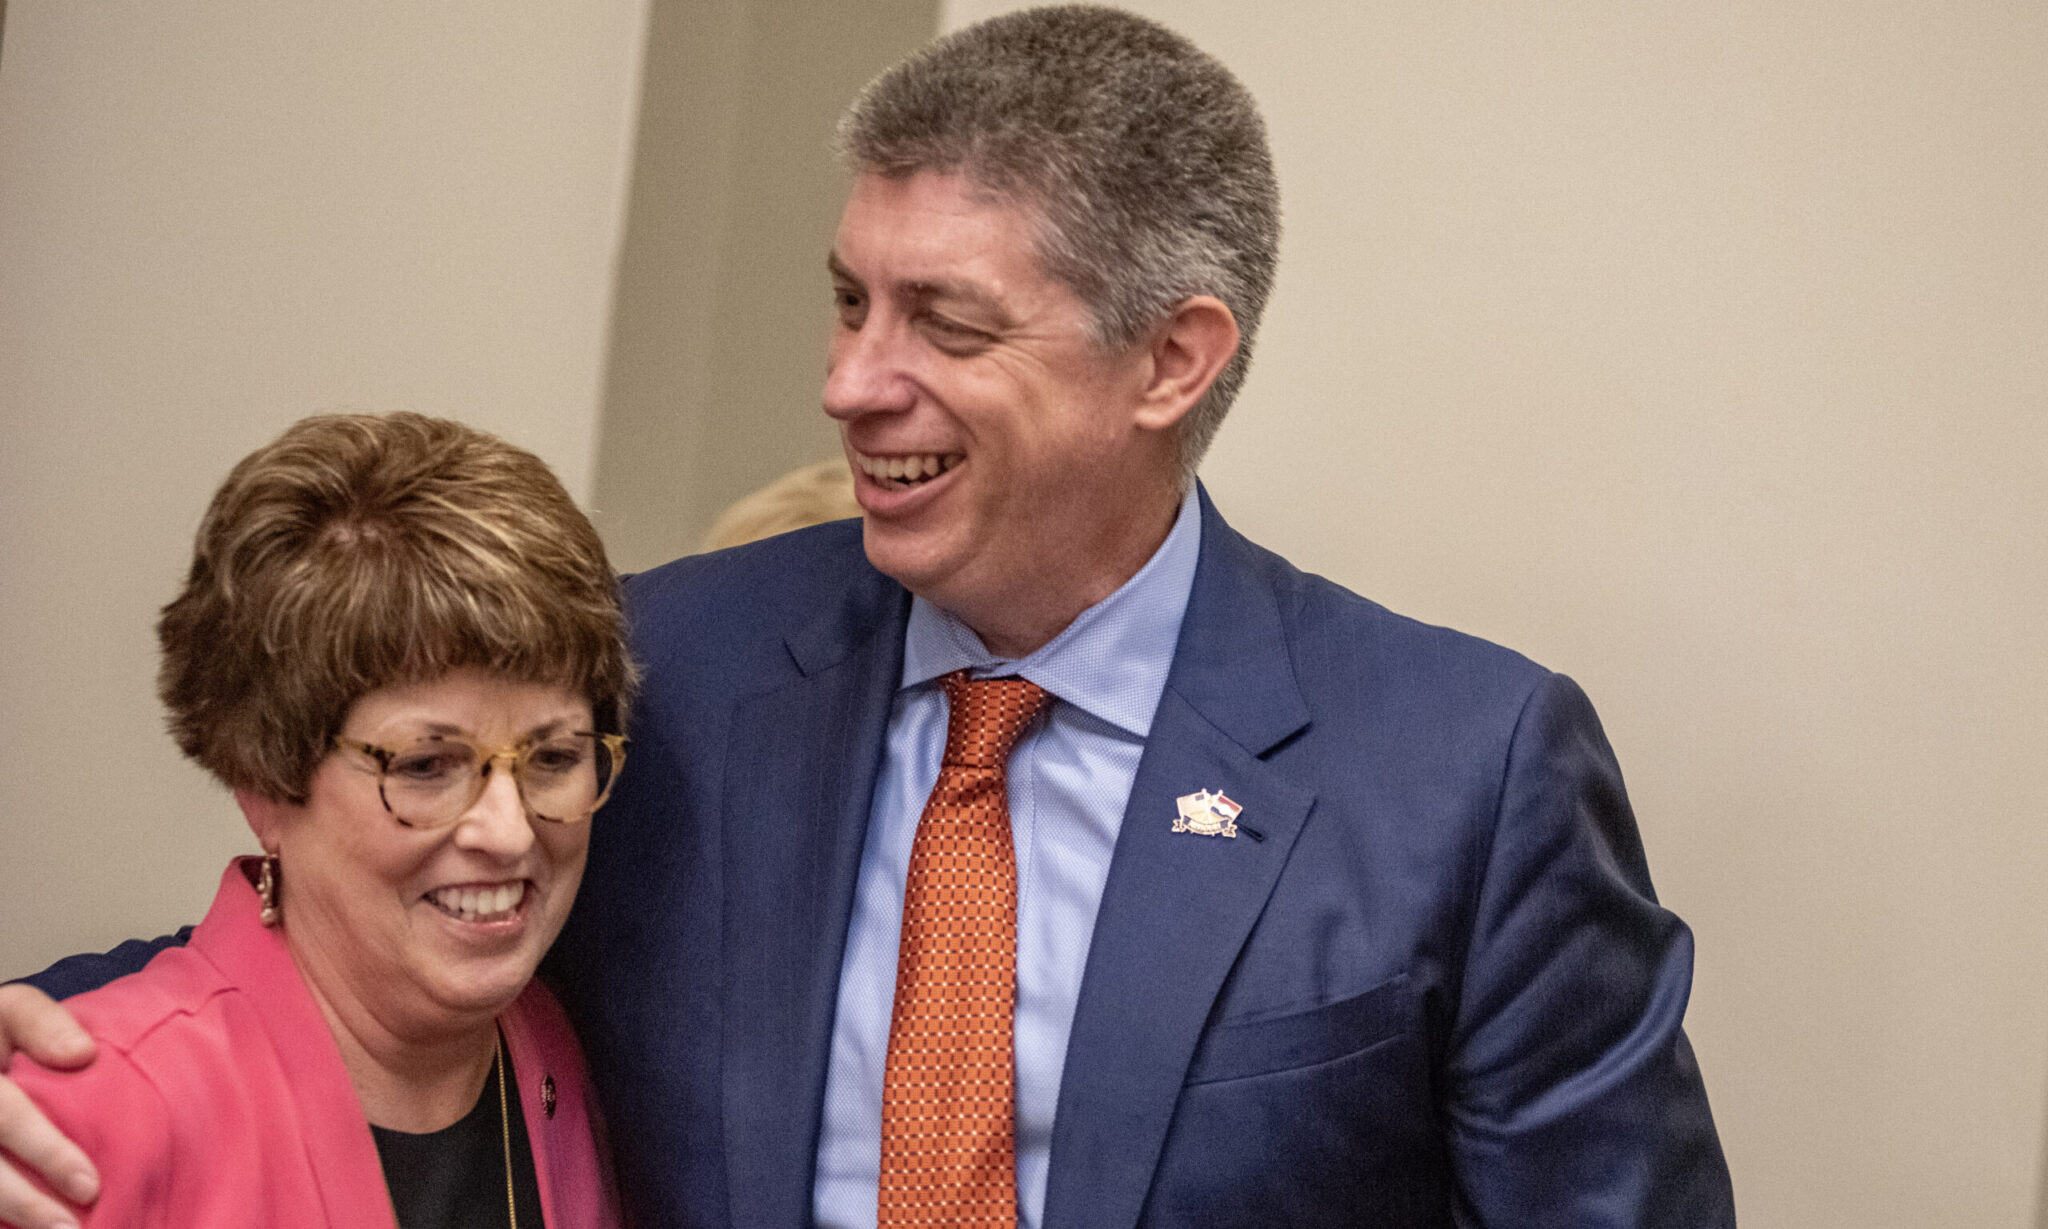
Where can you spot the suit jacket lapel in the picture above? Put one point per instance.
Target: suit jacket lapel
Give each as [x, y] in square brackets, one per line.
[1178, 906]
[800, 779]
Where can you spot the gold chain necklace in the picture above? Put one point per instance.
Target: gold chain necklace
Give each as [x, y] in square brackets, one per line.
[505, 1126]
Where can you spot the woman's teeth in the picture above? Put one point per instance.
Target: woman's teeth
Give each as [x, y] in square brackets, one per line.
[907, 469]
[480, 904]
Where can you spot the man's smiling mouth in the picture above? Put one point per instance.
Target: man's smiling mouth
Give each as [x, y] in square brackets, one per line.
[905, 470]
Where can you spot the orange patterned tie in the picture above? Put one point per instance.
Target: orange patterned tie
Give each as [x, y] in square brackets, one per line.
[949, 1085]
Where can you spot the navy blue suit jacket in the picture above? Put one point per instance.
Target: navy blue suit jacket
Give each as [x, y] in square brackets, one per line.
[1428, 984]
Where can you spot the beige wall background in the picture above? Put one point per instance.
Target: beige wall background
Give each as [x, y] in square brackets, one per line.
[1698, 351]
[1693, 350]
[215, 218]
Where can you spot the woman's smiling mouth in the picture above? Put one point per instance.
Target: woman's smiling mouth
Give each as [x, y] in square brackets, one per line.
[480, 903]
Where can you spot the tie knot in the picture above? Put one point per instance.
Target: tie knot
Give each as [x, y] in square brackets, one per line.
[985, 717]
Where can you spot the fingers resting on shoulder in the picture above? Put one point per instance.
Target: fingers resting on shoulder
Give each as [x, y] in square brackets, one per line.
[34, 1024]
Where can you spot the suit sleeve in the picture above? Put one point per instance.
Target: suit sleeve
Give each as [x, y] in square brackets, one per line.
[78, 974]
[1574, 1099]
[113, 1112]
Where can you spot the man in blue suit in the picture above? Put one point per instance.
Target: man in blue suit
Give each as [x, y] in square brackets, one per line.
[1323, 916]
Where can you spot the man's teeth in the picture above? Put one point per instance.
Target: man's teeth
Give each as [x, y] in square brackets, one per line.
[480, 904]
[915, 468]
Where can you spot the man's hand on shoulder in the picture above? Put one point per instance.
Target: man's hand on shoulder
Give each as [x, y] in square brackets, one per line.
[35, 1024]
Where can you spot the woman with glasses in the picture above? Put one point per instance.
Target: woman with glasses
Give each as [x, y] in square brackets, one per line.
[400, 646]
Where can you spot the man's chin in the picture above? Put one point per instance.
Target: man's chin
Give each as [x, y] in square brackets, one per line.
[915, 558]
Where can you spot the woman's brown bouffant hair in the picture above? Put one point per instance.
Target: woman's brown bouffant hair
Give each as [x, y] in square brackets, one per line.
[357, 551]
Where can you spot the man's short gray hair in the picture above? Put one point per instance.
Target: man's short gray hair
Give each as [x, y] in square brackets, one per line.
[1145, 159]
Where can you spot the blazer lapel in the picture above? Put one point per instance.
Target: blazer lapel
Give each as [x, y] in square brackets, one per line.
[800, 778]
[1178, 906]
[331, 1126]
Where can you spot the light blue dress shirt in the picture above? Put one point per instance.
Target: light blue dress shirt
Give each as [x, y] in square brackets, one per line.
[1070, 778]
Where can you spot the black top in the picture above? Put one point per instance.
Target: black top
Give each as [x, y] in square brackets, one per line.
[454, 1178]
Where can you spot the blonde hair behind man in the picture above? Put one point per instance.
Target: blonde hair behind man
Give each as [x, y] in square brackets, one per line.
[799, 499]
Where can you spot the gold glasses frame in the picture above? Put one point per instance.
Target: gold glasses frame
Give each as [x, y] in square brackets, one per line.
[481, 763]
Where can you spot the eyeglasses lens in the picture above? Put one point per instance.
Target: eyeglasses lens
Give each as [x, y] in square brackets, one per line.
[563, 778]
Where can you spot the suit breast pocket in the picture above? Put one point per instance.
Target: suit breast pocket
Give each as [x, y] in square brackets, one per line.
[1317, 1117]
[1237, 1050]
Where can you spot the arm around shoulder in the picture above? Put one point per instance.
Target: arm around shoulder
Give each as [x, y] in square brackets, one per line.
[78, 974]
[112, 1111]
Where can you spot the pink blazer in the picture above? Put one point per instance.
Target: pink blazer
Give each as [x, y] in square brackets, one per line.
[219, 1096]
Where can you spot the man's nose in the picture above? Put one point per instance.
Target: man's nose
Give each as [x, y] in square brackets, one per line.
[864, 372]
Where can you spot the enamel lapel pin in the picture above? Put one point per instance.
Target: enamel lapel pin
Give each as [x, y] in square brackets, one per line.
[1207, 813]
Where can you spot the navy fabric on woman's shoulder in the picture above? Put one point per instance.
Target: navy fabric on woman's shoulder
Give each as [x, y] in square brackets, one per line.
[78, 974]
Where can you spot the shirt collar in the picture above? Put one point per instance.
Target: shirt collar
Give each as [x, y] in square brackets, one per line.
[1111, 661]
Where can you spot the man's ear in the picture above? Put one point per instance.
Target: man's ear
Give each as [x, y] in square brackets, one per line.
[1188, 351]
[266, 817]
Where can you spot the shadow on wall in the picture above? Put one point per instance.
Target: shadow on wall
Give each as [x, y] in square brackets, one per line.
[720, 316]
[2041, 1195]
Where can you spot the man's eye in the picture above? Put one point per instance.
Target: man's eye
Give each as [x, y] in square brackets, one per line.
[850, 304]
[951, 335]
